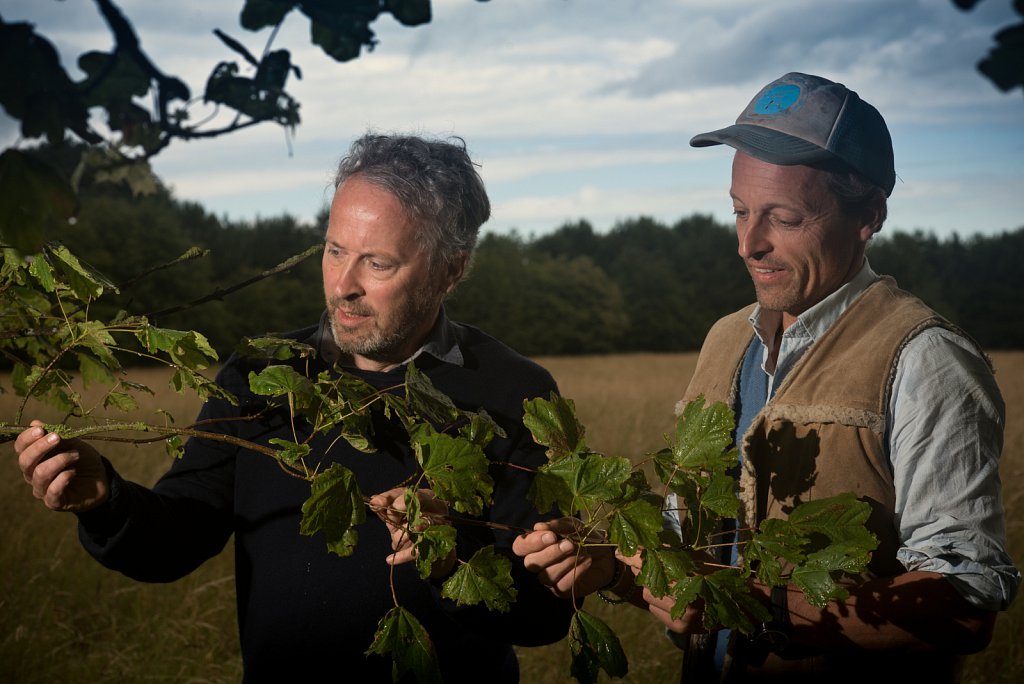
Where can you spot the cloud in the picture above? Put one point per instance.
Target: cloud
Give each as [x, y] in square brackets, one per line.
[578, 108]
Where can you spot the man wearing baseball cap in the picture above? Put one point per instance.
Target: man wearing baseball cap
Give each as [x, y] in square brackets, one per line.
[840, 381]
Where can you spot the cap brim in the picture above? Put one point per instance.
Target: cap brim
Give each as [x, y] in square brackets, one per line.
[764, 144]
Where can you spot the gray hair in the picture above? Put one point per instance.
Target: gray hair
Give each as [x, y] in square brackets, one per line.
[855, 194]
[435, 181]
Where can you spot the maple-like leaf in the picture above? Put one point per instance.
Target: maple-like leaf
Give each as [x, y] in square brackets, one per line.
[455, 468]
[553, 424]
[276, 381]
[335, 505]
[486, 578]
[400, 635]
[663, 567]
[579, 482]
[426, 401]
[702, 435]
[290, 452]
[635, 524]
[726, 600]
[594, 647]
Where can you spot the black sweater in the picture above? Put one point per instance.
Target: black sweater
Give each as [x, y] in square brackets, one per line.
[305, 612]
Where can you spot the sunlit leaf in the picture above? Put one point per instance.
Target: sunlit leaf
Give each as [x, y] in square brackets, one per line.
[553, 424]
[635, 524]
[720, 496]
[121, 401]
[702, 435]
[43, 274]
[579, 482]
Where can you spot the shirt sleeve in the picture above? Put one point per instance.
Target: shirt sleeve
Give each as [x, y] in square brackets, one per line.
[946, 420]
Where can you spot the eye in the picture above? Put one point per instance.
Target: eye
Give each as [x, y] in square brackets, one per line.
[786, 221]
[740, 214]
[378, 266]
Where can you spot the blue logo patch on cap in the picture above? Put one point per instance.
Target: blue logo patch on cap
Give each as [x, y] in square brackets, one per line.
[777, 100]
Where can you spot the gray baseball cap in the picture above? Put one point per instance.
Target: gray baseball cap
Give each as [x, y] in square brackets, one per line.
[802, 119]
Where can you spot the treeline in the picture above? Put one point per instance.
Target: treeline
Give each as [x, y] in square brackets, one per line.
[642, 286]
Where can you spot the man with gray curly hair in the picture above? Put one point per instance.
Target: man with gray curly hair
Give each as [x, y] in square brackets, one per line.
[403, 225]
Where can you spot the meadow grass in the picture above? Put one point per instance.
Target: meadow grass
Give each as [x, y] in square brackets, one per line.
[63, 618]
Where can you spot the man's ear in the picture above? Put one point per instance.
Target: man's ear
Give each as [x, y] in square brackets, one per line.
[873, 217]
[456, 271]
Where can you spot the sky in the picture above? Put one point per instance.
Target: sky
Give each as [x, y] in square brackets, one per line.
[583, 109]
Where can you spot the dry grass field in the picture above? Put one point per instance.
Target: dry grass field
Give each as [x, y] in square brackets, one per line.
[65, 619]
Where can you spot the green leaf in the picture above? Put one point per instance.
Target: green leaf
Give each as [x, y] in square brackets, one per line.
[720, 496]
[426, 401]
[594, 648]
[432, 544]
[840, 518]
[277, 381]
[175, 446]
[356, 430]
[480, 429]
[664, 567]
[486, 577]
[276, 348]
[578, 483]
[553, 424]
[201, 385]
[775, 543]
[456, 470]
[335, 505]
[726, 597]
[121, 401]
[727, 601]
[702, 435]
[41, 271]
[187, 348]
[401, 636]
[290, 451]
[85, 282]
[636, 524]
[816, 577]
[94, 336]
[93, 372]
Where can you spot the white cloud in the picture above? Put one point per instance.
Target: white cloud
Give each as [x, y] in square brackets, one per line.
[583, 109]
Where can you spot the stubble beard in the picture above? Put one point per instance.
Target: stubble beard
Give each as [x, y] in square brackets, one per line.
[384, 340]
[779, 297]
